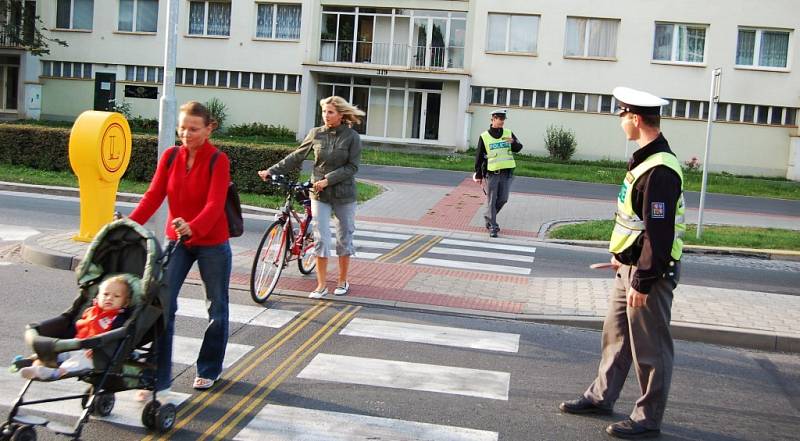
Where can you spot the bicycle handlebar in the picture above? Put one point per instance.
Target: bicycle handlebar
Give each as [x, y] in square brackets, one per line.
[282, 181]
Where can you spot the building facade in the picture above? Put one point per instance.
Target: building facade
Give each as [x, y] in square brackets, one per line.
[428, 73]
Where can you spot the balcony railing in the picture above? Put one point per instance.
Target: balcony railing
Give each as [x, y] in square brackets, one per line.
[392, 54]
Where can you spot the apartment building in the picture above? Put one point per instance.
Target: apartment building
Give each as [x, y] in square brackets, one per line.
[428, 73]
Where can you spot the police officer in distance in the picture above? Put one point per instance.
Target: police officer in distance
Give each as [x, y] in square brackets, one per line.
[646, 246]
[494, 161]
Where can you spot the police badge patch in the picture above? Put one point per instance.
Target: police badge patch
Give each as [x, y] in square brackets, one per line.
[657, 210]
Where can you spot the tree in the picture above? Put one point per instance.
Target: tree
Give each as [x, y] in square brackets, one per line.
[21, 27]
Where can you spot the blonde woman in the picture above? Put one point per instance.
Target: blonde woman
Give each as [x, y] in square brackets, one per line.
[337, 153]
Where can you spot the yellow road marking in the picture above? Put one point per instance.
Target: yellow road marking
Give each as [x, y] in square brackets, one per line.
[267, 385]
[203, 400]
[422, 250]
[402, 247]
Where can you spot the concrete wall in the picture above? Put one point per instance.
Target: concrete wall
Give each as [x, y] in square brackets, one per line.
[740, 148]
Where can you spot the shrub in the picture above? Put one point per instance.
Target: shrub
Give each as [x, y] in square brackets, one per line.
[261, 130]
[142, 124]
[692, 164]
[560, 142]
[47, 148]
[218, 111]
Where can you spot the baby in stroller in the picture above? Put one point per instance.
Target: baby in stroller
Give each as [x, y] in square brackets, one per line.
[107, 312]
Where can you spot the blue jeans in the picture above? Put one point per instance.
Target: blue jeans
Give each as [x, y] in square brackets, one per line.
[215, 270]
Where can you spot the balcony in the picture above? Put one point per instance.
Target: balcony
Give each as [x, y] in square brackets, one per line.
[429, 58]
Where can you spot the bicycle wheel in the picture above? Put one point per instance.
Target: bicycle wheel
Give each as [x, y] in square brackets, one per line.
[268, 263]
[307, 261]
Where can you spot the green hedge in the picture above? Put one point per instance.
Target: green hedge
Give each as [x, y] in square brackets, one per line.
[47, 148]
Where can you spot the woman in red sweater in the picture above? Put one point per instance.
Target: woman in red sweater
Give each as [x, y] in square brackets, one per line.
[196, 201]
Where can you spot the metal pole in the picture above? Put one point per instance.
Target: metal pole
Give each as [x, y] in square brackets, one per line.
[713, 99]
[167, 109]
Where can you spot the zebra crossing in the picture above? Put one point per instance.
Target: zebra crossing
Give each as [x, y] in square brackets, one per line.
[10, 233]
[282, 422]
[443, 252]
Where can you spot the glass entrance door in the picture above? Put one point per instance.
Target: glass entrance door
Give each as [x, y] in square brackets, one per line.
[423, 109]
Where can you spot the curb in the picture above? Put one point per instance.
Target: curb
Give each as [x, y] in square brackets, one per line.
[33, 253]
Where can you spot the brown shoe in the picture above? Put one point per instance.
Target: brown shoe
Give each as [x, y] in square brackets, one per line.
[584, 406]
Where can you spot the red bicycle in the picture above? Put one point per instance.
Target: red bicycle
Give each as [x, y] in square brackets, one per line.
[286, 239]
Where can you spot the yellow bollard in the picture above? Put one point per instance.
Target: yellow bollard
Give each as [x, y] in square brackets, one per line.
[99, 152]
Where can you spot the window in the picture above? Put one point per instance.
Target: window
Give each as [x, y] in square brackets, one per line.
[679, 43]
[138, 15]
[74, 14]
[762, 48]
[591, 37]
[278, 21]
[210, 18]
[512, 33]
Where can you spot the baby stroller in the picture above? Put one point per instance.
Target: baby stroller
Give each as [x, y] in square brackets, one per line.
[124, 358]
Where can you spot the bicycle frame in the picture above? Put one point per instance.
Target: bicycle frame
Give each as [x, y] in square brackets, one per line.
[287, 216]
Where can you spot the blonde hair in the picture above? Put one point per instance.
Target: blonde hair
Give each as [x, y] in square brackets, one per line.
[195, 108]
[350, 114]
[122, 280]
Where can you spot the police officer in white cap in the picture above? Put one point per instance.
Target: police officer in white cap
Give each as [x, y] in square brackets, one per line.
[646, 247]
[494, 161]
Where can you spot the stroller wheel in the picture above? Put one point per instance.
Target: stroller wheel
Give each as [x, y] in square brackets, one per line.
[104, 404]
[149, 414]
[24, 433]
[165, 417]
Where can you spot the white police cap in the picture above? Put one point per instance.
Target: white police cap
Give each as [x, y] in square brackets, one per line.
[637, 101]
[503, 112]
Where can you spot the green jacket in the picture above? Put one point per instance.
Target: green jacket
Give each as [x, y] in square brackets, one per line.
[337, 153]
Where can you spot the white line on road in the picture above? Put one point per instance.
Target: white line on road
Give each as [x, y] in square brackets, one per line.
[16, 232]
[127, 410]
[481, 254]
[493, 246]
[185, 350]
[435, 335]
[283, 423]
[475, 266]
[251, 315]
[404, 375]
[374, 244]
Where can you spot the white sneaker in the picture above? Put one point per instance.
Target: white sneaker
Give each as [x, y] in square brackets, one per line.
[342, 290]
[317, 294]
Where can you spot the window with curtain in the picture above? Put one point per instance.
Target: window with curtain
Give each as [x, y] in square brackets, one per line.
[74, 14]
[210, 18]
[679, 42]
[762, 47]
[138, 16]
[279, 21]
[591, 37]
[512, 33]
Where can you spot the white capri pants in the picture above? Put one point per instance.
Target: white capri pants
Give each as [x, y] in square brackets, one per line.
[346, 216]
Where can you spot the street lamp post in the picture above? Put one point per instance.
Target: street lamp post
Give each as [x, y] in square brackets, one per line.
[167, 109]
[713, 99]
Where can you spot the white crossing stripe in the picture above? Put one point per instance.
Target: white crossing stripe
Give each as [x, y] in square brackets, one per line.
[185, 350]
[481, 254]
[492, 245]
[127, 410]
[6, 263]
[283, 423]
[248, 314]
[374, 244]
[382, 235]
[435, 335]
[16, 232]
[404, 375]
[476, 266]
[362, 255]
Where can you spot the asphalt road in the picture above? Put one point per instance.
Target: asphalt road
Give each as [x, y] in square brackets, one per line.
[717, 393]
[551, 260]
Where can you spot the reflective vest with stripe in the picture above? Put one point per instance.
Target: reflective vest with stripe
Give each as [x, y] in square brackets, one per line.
[498, 151]
[627, 225]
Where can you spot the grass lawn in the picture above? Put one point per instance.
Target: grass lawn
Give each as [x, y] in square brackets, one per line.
[27, 175]
[604, 172]
[724, 236]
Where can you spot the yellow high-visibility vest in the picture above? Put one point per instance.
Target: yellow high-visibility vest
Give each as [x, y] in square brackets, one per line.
[498, 151]
[627, 225]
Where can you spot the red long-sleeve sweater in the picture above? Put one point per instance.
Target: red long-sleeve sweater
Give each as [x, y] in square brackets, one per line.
[196, 195]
